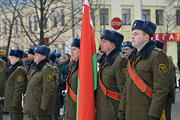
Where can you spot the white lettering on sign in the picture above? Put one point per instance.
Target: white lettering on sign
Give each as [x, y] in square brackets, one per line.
[114, 23]
[171, 37]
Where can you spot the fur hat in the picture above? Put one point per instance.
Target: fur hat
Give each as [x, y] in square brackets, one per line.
[159, 44]
[128, 44]
[146, 26]
[76, 43]
[113, 36]
[43, 50]
[52, 56]
[17, 53]
[31, 51]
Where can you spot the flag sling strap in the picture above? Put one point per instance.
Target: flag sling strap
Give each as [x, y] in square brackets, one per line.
[138, 81]
[106, 91]
[69, 90]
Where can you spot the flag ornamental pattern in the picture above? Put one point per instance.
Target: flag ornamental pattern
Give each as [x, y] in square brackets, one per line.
[87, 74]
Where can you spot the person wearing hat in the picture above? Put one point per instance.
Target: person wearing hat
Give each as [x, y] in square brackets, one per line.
[52, 58]
[99, 53]
[25, 59]
[112, 75]
[31, 64]
[72, 81]
[42, 86]
[147, 79]
[2, 82]
[172, 81]
[15, 85]
[127, 48]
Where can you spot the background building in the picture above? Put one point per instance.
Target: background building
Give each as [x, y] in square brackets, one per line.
[57, 23]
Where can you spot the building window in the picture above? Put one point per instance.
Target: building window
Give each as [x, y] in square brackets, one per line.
[21, 27]
[93, 15]
[35, 22]
[159, 17]
[0, 28]
[16, 26]
[5, 28]
[55, 15]
[104, 16]
[126, 16]
[178, 17]
[146, 15]
[30, 24]
[45, 21]
[62, 18]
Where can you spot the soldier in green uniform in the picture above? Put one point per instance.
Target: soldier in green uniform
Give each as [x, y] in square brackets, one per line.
[112, 75]
[42, 87]
[147, 79]
[15, 85]
[2, 81]
[31, 64]
[172, 77]
[52, 58]
[72, 80]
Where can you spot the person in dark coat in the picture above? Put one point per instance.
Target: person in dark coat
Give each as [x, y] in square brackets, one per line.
[15, 86]
[31, 64]
[112, 75]
[2, 82]
[147, 79]
[172, 78]
[72, 81]
[42, 86]
[52, 58]
[127, 48]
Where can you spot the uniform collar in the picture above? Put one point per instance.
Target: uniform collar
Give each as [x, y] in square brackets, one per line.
[17, 64]
[76, 63]
[145, 51]
[109, 59]
[41, 64]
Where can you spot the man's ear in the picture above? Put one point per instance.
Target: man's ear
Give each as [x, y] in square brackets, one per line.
[147, 36]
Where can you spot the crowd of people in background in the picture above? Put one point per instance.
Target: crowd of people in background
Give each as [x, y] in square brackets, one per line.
[136, 82]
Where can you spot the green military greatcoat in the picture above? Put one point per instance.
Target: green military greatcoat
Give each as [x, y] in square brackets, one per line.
[15, 88]
[152, 66]
[112, 75]
[2, 80]
[70, 104]
[41, 90]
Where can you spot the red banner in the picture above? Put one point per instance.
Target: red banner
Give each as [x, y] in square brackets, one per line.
[170, 36]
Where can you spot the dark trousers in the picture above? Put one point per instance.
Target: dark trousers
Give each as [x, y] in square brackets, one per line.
[16, 116]
[1, 118]
[42, 117]
[168, 105]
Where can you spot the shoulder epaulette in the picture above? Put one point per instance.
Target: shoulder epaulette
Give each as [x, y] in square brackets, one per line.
[19, 67]
[48, 64]
[158, 49]
[122, 55]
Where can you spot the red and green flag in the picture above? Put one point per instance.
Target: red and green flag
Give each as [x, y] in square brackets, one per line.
[87, 76]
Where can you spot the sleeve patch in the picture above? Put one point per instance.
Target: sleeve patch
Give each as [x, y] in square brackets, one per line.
[49, 77]
[19, 78]
[1, 69]
[162, 68]
[124, 71]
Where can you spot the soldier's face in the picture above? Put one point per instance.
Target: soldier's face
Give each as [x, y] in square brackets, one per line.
[127, 50]
[13, 59]
[106, 46]
[38, 58]
[75, 53]
[30, 57]
[139, 39]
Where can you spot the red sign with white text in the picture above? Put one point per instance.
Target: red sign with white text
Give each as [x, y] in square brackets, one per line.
[170, 37]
